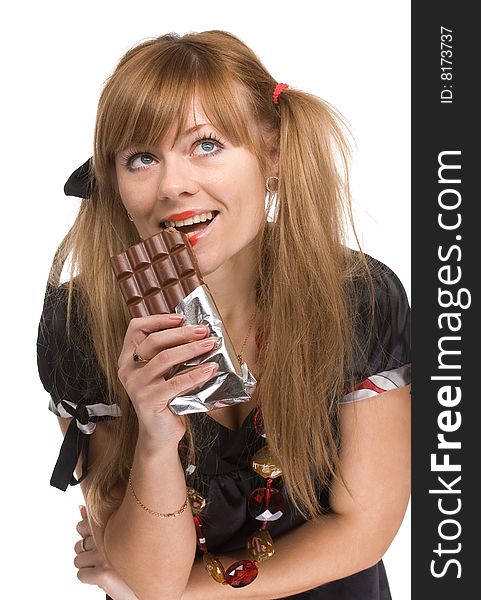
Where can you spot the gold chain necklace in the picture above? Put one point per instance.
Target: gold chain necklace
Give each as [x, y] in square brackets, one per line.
[239, 356]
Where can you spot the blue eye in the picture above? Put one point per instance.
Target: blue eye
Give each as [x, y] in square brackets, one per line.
[207, 146]
[144, 159]
[139, 161]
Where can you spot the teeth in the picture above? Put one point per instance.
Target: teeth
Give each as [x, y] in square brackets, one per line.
[190, 221]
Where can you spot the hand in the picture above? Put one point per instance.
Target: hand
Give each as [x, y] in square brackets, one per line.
[161, 344]
[93, 568]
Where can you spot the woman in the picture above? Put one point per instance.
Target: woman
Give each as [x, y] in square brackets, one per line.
[195, 124]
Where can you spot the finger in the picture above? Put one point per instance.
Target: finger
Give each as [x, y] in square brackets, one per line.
[83, 528]
[78, 549]
[155, 396]
[170, 338]
[140, 327]
[88, 559]
[189, 380]
[85, 544]
[161, 363]
[89, 575]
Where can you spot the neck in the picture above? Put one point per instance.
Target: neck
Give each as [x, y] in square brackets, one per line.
[233, 288]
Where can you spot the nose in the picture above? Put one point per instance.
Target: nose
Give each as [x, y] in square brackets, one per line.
[176, 178]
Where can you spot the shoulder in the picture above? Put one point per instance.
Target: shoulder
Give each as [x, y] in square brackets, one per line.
[381, 324]
[65, 352]
[380, 284]
[378, 300]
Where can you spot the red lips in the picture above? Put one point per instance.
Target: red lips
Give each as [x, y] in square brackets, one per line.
[181, 216]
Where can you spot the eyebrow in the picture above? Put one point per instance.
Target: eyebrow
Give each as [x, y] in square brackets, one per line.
[196, 127]
[186, 133]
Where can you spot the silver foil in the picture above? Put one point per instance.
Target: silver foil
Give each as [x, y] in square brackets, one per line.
[233, 383]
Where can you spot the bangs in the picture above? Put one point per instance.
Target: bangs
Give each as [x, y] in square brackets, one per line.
[152, 92]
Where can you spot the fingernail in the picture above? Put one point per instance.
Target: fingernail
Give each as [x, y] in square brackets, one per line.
[200, 329]
[210, 368]
[209, 343]
[176, 317]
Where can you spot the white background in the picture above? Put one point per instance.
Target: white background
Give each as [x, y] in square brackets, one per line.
[55, 57]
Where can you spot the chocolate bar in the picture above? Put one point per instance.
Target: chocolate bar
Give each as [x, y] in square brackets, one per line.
[156, 274]
[161, 275]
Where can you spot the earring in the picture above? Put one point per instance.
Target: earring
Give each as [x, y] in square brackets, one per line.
[269, 183]
[271, 197]
[130, 217]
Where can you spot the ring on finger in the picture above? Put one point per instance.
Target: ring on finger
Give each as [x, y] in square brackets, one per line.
[82, 544]
[137, 358]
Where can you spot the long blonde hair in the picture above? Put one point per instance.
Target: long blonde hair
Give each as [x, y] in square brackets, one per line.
[304, 267]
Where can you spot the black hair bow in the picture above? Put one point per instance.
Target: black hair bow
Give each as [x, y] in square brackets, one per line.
[81, 182]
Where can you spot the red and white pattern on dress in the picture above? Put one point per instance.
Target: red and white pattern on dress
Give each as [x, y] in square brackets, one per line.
[379, 383]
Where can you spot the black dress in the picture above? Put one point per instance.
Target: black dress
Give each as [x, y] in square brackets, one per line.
[70, 373]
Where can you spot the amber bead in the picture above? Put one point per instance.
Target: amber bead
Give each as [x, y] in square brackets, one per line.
[265, 465]
[266, 504]
[197, 502]
[214, 567]
[260, 545]
[241, 573]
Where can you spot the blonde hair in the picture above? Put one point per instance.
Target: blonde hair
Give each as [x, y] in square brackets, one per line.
[304, 267]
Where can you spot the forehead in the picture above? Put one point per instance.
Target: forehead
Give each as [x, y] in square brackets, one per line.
[195, 117]
[170, 113]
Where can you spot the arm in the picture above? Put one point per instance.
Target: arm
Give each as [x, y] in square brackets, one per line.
[93, 568]
[375, 464]
[147, 539]
[153, 555]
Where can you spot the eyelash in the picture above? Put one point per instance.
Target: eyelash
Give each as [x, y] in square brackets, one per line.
[128, 159]
[211, 137]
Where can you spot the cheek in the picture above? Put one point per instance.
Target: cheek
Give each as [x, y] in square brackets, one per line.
[132, 194]
[255, 191]
[248, 188]
[124, 190]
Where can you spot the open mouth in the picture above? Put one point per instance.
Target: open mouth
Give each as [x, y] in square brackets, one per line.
[191, 227]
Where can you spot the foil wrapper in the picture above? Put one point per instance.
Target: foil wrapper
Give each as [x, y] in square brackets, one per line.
[233, 382]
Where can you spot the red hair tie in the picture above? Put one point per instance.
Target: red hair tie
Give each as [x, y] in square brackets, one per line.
[280, 87]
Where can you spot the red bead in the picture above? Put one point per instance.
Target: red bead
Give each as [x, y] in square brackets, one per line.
[200, 534]
[241, 573]
[266, 504]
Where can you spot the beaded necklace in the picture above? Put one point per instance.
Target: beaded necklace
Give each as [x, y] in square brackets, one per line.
[265, 504]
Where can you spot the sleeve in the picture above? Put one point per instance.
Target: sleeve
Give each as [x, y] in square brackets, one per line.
[70, 373]
[382, 348]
